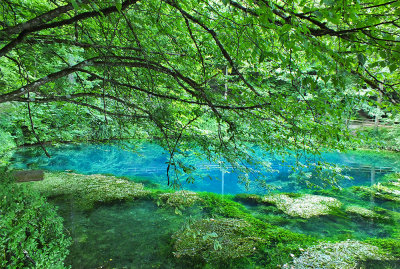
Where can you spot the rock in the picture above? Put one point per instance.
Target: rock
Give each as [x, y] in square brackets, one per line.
[305, 206]
[339, 255]
[28, 175]
[215, 240]
[90, 189]
[389, 191]
[364, 212]
[179, 198]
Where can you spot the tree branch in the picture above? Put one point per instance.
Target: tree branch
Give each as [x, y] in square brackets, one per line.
[90, 14]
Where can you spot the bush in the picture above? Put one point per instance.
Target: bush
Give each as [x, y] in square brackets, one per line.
[31, 232]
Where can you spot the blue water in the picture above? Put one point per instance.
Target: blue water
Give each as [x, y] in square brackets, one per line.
[147, 162]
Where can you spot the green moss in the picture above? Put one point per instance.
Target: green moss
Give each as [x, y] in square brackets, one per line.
[252, 199]
[339, 255]
[304, 206]
[218, 206]
[364, 212]
[179, 199]
[277, 243]
[388, 245]
[387, 191]
[87, 190]
[216, 241]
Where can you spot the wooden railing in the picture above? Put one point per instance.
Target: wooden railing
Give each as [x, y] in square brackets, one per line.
[371, 123]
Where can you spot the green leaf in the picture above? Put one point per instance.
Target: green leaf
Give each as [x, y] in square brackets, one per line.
[262, 57]
[118, 5]
[286, 27]
[392, 67]
[217, 245]
[75, 4]
[361, 59]
[226, 2]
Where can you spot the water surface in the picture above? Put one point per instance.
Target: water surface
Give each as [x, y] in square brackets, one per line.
[148, 162]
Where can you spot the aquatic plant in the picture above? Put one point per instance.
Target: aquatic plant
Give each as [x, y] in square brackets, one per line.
[305, 206]
[364, 212]
[391, 246]
[339, 255]
[179, 199]
[215, 240]
[389, 191]
[252, 199]
[31, 232]
[277, 243]
[89, 189]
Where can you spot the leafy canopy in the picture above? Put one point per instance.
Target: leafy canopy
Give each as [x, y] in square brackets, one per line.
[210, 75]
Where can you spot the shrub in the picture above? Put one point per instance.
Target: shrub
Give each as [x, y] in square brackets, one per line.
[31, 232]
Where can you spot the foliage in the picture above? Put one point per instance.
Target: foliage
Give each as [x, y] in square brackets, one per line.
[31, 232]
[87, 190]
[201, 75]
[390, 245]
[6, 141]
[381, 138]
[344, 255]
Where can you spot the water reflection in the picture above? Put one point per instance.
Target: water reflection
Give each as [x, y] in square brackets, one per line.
[148, 162]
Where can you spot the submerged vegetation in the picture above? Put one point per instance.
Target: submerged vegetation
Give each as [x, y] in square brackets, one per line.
[346, 254]
[86, 190]
[216, 241]
[210, 229]
[179, 199]
[305, 206]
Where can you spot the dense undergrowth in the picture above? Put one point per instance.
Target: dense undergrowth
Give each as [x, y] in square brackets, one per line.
[31, 232]
[244, 231]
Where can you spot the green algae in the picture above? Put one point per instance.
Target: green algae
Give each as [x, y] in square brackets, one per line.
[216, 241]
[339, 255]
[304, 206]
[391, 246]
[87, 190]
[356, 219]
[209, 225]
[364, 212]
[277, 243]
[386, 191]
[179, 199]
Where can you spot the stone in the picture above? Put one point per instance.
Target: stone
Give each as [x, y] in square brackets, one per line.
[364, 212]
[304, 206]
[340, 255]
[28, 175]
